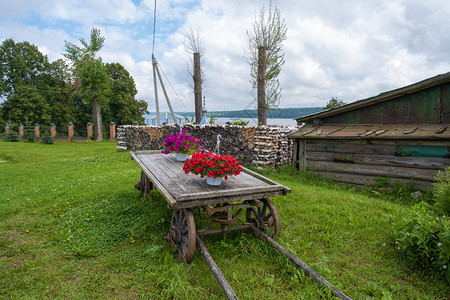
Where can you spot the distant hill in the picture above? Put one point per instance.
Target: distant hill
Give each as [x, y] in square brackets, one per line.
[280, 113]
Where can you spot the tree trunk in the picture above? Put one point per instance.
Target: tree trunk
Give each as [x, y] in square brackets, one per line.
[98, 129]
[197, 88]
[261, 87]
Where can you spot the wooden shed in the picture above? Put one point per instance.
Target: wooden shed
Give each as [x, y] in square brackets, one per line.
[402, 134]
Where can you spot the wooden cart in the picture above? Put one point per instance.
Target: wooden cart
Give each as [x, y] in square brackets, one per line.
[225, 205]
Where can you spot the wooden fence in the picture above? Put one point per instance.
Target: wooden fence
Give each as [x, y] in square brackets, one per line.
[71, 136]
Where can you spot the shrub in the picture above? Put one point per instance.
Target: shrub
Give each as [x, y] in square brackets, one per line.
[423, 236]
[12, 136]
[47, 139]
[240, 122]
[442, 192]
[28, 132]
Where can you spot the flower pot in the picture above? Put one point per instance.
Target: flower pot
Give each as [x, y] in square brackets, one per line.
[214, 181]
[181, 156]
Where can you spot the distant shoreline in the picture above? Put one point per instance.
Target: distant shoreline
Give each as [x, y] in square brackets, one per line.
[279, 113]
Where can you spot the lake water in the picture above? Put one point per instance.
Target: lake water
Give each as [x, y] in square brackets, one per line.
[223, 121]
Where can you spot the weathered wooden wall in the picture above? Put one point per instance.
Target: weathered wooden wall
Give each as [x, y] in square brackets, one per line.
[259, 146]
[428, 106]
[361, 161]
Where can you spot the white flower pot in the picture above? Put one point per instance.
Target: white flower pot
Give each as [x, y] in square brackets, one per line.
[181, 156]
[214, 181]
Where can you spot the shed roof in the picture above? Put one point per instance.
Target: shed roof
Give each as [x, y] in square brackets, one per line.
[424, 84]
[397, 132]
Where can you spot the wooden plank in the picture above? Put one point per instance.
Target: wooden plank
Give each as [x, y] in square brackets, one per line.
[177, 187]
[295, 151]
[373, 170]
[386, 160]
[156, 183]
[362, 180]
[302, 155]
[228, 199]
[215, 270]
[299, 263]
[334, 146]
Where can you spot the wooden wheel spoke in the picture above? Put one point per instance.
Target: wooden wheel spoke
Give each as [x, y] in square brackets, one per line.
[184, 234]
[265, 218]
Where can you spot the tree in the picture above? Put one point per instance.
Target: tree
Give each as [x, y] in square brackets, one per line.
[334, 102]
[92, 79]
[194, 46]
[23, 70]
[123, 107]
[266, 58]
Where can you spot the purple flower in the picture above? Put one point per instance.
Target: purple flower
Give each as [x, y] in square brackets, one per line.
[188, 146]
[439, 244]
[445, 267]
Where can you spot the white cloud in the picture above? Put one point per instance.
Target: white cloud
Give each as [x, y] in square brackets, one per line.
[348, 49]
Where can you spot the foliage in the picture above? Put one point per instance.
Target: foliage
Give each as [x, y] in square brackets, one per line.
[47, 139]
[91, 76]
[266, 58]
[23, 74]
[212, 165]
[182, 142]
[12, 136]
[423, 238]
[73, 226]
[28, 132]
[442, 192]
[240, 122]
[122, 107]
[189, 121]
[423, 235]
[213, 118]
[334, 102]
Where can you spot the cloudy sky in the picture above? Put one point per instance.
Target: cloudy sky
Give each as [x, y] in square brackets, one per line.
[349, 49]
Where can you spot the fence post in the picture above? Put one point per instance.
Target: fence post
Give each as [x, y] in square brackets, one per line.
[20, 130]
[53, 130]
[89, 130]
[36, 130]
[70, 131]
[112, 131]
[6, 128]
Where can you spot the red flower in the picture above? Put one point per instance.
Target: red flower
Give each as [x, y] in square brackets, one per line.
[211, 165]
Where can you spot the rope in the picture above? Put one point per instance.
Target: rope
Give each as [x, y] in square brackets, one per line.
[185, 109]
[154, 29]
[218, 144]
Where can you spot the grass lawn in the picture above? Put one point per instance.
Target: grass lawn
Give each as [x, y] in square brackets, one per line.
[73, 226]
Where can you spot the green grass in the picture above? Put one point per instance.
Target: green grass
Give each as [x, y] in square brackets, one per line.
[73, 226]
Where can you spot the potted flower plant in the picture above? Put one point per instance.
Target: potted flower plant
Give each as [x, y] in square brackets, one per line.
[182, 144]
[213, 167]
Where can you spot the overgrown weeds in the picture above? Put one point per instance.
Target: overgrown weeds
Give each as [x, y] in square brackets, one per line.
[73, 226]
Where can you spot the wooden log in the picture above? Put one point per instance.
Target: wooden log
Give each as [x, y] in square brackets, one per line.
[215, 269]
[362, 180]
[373, 170]
[385, 160]
[299, 263]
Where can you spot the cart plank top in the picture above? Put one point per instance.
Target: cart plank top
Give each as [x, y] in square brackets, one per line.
[189, 190]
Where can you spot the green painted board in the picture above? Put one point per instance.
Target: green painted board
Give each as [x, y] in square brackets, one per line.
[424, 151]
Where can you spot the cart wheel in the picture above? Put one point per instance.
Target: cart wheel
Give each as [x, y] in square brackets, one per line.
[182, 234]
[265, 218]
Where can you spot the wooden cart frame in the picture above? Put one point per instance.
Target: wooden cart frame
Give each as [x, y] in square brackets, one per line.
[225, 205]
